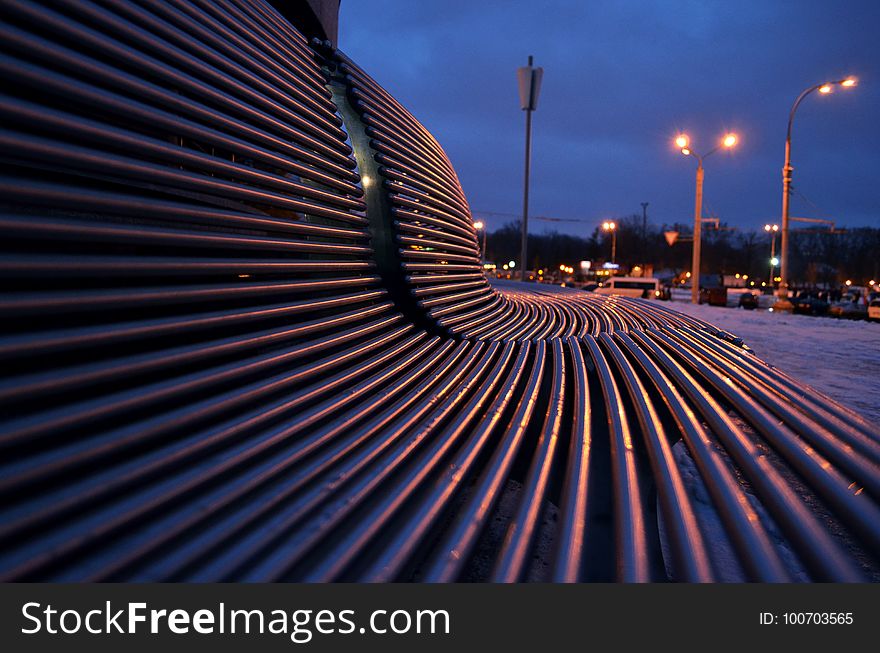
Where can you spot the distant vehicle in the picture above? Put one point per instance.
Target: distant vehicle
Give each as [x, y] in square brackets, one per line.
[874, 310]
[849, 308]
[714, 296]
[807, 303]
[748, 301]
[645, 287]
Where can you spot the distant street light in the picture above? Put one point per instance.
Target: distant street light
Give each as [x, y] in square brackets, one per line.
[825, 88]
[479, 226]
[772, 229]
[529, 79]
[612, 227]
[683, 142]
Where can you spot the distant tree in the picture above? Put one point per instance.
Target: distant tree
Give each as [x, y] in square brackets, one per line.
[817, 257]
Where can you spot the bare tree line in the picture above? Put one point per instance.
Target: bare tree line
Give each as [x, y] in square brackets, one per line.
[817, 257]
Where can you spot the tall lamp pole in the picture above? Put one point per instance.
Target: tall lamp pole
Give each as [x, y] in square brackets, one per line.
[479, 226]
[529, 79]
[644, 234]
[683, 142]
[825, 88]
[612, 227]
[772, 229]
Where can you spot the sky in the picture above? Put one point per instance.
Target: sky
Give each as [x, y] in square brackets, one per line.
[621, 79]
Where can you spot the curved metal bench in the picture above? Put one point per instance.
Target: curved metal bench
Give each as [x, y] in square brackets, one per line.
[246, 336]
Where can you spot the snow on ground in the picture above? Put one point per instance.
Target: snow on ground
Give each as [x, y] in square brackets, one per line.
[838, 357]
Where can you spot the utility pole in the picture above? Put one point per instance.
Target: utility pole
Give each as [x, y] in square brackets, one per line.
[529, 79]
[644, 235]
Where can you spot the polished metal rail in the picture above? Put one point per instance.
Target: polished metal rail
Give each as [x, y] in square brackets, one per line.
[246, 335]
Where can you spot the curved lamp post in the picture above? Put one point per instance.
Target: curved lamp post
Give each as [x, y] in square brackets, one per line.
[683, 142]
[825, 88]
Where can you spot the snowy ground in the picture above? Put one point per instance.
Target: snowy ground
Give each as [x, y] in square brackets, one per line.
[838, 357]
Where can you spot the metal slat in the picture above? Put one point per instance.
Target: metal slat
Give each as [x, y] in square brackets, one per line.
[690, 557]
[857, 511]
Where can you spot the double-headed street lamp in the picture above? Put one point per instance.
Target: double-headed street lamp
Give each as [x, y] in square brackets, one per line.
[607, 226]
[824, 89]
[683, 143]
[772, 229]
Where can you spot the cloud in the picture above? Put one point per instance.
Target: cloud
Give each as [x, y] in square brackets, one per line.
[620, 79]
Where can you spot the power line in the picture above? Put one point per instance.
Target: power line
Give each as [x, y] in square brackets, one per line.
[806, 199]
[545, 218]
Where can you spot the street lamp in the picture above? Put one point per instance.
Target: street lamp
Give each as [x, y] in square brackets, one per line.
[684, 144]
[825, 89]
[608, 225]
[529, 79]
[772, 229]
[479, 226]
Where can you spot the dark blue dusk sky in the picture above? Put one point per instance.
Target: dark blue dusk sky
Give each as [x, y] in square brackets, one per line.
[620, 78]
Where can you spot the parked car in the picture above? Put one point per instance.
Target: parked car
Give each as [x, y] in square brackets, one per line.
[713, 296]
[849, 308]
[748, 301]
[809, 304]
[874, 310]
